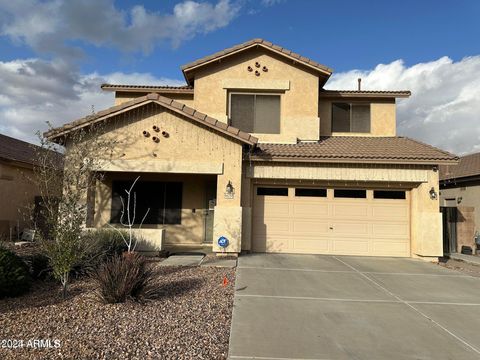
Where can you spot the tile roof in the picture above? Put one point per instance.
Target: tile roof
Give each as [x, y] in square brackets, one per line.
[260, 42]
[355, 149]
[365, 93]
[149, 88]
[469, 165]
[12, 149]
[165, 102]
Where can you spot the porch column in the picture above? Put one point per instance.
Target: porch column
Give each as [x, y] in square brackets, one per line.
[228, 210]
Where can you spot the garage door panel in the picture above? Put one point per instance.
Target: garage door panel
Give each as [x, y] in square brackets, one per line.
[310, 209]
[348, 211]
[304, 226]
[311, 244]
[346, 246]
[272, 208]
[387, 247]
[278, 244]
[351, 228]
[324, 225]
[391, 230]
[271, 226]
[397, 212]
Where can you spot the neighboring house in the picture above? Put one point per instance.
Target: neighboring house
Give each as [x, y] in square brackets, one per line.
[254, 149]
[460, 188]
[17, 190]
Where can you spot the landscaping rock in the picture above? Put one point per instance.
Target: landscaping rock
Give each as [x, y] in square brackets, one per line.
[190, 319]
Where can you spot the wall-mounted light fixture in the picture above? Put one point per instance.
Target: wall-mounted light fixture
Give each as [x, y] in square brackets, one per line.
[435, 168]
[229, 190]
[459, 200]
[433, 194]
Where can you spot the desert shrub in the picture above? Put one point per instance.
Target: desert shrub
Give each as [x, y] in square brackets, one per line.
[123, 277]
[107, 242]
[101, 245]
[38, 266]
[14, 277]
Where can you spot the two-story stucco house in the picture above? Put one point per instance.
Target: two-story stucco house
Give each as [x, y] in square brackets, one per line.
[254, 149]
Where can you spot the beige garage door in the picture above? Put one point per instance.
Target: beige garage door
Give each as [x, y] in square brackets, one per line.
[331, 221]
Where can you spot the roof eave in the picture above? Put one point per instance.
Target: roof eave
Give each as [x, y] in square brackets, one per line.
[146, 89]
[353, 161]
[364, 94]
[56, 134]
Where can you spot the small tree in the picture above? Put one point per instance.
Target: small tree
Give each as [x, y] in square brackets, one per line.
[63, 189]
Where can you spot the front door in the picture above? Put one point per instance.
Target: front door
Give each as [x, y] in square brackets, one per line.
[210, 196]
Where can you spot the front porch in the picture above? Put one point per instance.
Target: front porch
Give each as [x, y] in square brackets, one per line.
[178, 209]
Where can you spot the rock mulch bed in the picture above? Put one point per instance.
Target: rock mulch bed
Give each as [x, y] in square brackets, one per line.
[189, 320]
[462, 266]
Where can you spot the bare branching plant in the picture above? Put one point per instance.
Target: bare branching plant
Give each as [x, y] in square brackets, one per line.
[128, 216]
[63, 185]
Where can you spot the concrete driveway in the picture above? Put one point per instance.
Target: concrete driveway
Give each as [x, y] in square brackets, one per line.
[339, 307]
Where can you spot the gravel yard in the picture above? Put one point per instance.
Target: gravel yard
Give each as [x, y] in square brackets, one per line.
[462, 266]
[189, 320]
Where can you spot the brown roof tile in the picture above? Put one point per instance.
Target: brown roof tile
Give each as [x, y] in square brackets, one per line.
[149, 88]
[149, 98]
[12, 149]
[266, 44]
[355, 149]
[469, 165]
[365, 93]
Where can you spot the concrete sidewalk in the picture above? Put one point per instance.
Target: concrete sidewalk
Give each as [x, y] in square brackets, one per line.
[328, 307]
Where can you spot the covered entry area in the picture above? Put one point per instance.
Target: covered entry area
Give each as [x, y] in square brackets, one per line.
[329, 220]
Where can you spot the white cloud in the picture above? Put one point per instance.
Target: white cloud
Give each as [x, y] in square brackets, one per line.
[443, 110]
[34, 91]
[50, 26]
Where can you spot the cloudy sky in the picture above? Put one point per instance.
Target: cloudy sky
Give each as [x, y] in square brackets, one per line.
[54, 54]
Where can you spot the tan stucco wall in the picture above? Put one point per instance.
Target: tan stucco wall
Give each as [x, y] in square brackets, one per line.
[470, 197]
[186, 143]
[298, 88]
[382, 112]
[17, 194]
[121, 97]
[426, 219]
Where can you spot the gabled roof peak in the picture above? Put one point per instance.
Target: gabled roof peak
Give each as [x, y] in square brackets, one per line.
[188, 68]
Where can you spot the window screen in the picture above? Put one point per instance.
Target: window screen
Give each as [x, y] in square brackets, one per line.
[350, 117]
[388, 194]
[243, 112]
[347, 193]
[164, 199]
[310, 192]
[255, 113]
[272, 191]
[341, 117]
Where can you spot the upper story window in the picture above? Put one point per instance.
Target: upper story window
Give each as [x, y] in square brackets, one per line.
[255, 113]
[350, 117]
